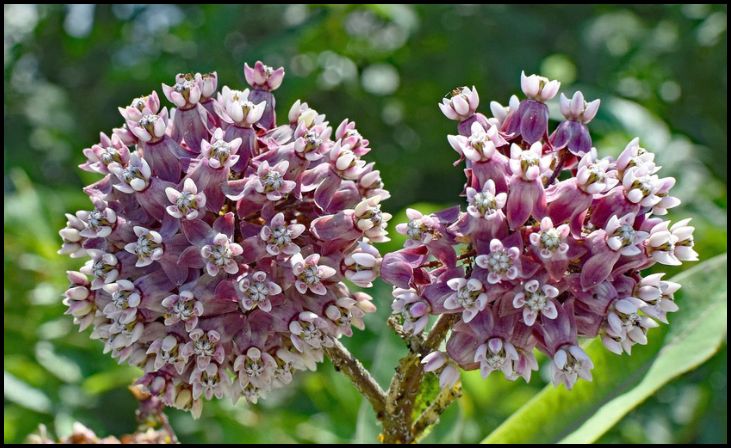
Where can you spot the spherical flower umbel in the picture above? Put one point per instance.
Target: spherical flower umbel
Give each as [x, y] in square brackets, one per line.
[220, 242]
[551, 246]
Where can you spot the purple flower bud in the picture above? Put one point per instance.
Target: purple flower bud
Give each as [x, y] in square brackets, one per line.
[577, 109]
[501, 263]
[538, 88]
[263, 77]
[148, 248]
[71, 236]
[572, 135]
[234, 107]
[535, 299]
[256, 291]
[220, 255]
[371, 220]
[182, 307]
[362, 265]
[411, 310]
[461, 105]
[569, 364]
[271, 182]
[309, 274]
[108, 150]
[485, 204]
[103, 269]
[279, 236]
[658, 296]
[469, 296]
[186, 203]
[420, 229]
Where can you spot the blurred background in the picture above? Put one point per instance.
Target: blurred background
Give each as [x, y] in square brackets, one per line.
[660, 71]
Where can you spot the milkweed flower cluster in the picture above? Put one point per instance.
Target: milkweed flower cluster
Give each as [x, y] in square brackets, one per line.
[551, 245]
[219, 241]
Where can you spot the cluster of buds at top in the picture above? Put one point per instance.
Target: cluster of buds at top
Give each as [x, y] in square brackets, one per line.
[550, 248]
[220, 242]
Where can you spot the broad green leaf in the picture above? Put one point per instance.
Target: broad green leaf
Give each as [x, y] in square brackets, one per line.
[104, 381]
[623, 382]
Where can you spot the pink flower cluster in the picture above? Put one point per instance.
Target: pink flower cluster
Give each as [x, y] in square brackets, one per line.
[219, 241]
[550, 248]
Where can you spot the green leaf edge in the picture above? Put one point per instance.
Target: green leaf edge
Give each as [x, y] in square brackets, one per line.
[617, 404]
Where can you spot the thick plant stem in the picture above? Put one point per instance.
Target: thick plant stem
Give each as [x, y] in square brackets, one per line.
[431, 415]
[361, 378]
[398, 419]
[395, 408]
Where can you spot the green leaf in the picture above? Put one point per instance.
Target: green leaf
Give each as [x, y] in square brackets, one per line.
[25, 395]
[623, 382]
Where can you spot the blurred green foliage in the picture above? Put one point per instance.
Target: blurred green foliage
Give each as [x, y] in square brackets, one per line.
[661, 72]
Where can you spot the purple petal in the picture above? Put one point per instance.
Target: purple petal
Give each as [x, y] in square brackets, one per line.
[268, 118]
[614, 203]
[598, 267]
[175, 273]
[164, 158]
[580, 142]
[153, 199]
[326, 190]
[248, 145]
[397, 267]
[212, 182]
[154, 287]
[566, 201]
[225, 290]
[225, 224]
[461, 347]
[197, 231]
[191, 257]
[533, 120]
[496, 169]
[332, 227]
[190, 125]
[524, 197]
